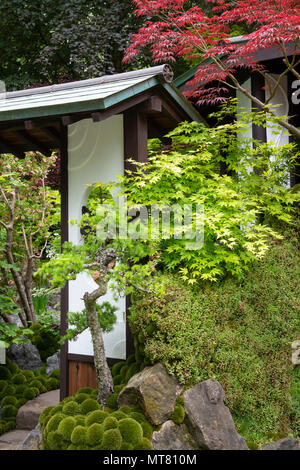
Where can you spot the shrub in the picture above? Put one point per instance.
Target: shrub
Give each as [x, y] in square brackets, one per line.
[71, 408]
[66, 427]
[89, 405]
[21, 402]
[123, 371]
[112, 401]
[80, 397]
[130, 360]
[147, 429]
[18, 379]
[131, 431]
[126, 409]
[112, 440]
[78, 436]
[55, 440]
[87, 390]
[117, 380]
[137, 416]
[28, 374]
[36, 384]
[55, 374]
[97, 416]
[8, 400]
[115, 370]
[3, 385]
[144, 444]
[10, 389]
[80, 420]
[29, 394]
[9, 411]
[52, 384]
[45, 415]
[126, 446]
[46, 341]
[94, 434]
[20, 389]
[110, 423]
[5, 373]
[12, 366]
[132, 370]
[118, 415]
[178, 414]
[54, 421]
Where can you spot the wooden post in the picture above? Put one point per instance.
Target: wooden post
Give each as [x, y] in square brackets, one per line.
[135, 147]
[257, 89]
[64, 366]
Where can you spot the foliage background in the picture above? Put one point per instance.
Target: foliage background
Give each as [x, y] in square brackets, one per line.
[238, 332]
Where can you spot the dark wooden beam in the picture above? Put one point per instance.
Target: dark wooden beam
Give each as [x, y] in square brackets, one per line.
[32, 142]
[135, 137]
[64, 370]
[100, 115]
[29, 125]
[7, 147]
[52, 134]
[153, 105]
[257, 89]
[67, 120]
[135, 147]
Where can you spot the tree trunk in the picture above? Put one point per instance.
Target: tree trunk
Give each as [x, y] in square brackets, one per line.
[104, 377]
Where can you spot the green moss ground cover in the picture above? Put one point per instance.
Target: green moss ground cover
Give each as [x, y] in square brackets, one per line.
[79, 423]
[19, 386]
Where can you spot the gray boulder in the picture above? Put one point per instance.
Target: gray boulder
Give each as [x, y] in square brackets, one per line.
[210, 419]
[288, 443]
[173, 437]
[25, 355]
[154, 390]
[53, 362]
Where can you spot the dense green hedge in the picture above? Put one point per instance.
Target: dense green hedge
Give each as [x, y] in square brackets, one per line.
[238, 332]
[18, 386]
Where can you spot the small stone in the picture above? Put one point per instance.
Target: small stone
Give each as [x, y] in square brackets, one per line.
[53, 363]
[288, 443]
[173, 437]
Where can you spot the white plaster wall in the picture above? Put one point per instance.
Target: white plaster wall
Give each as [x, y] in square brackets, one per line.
[281, 99]
[95, 152]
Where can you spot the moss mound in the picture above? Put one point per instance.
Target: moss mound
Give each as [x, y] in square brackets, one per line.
[112, 440]
[131, 431]
[91, 428]
[17, 387]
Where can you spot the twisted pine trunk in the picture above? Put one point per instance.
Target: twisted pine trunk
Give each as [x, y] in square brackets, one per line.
[104, 377]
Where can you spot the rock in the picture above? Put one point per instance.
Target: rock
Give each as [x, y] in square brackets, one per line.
[53, 362]
[210, 419]
[33, 440]
[154, 390]
[25, 355]
[288, 443]
[28, 414]
[173, 437]
[11, 440]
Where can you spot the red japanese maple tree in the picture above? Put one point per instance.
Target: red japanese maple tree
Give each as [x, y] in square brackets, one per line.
[174, 28]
